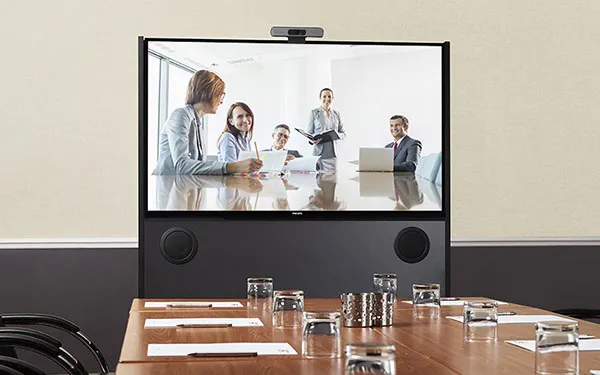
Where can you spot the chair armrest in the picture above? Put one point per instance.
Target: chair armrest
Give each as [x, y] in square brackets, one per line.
[20, 365]
[67, 362]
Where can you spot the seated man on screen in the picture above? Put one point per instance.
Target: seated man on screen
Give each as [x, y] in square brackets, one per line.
[406, 149]
[281, 135]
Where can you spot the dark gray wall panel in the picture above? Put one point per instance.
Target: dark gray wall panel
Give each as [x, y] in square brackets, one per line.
[91, 287]
[94, 288]
[549, 277]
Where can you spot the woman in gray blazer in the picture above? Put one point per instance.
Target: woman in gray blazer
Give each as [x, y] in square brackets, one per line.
[181, 147]
[237, 133]
[321, 120]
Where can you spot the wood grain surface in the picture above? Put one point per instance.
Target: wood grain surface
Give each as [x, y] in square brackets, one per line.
[425, 344]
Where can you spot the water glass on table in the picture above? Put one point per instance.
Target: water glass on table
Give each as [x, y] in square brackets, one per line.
[321, 334]
[480, 321]
[288, 306]
[426, 300]
[385, 283]
[557, 348]
[370, 358]
[259, 292]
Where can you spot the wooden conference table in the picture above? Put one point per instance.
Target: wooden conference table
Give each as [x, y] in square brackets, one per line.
[427, 346]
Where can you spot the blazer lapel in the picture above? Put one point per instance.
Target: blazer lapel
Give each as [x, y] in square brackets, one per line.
[401, 145]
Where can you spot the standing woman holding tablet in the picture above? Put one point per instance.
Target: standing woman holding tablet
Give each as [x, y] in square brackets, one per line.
[320, 120]
[181, 148]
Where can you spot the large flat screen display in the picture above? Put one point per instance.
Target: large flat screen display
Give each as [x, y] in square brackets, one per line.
[319, 129]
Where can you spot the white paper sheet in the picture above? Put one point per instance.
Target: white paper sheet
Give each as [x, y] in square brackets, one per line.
[262, 348]
[515, 319]
[584, 345]
[595, 372]
[195, 304]
[460, 302]
[272, 160]
[303, 164]
[236, 322]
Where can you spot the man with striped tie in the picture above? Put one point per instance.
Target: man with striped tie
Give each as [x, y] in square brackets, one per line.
[407, 150]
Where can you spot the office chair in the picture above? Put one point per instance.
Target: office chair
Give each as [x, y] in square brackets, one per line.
[58, 323]
[5, 370]
[45, 348]
[21, 366]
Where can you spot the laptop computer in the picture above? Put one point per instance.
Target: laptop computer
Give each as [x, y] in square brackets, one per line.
[375, 159]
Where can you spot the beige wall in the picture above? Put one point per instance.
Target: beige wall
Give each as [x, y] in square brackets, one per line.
[525, 104]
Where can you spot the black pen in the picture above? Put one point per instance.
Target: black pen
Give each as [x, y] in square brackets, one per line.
[190, 306]
[225, 325]
[449, 299]
[240, 354]
[504, 313]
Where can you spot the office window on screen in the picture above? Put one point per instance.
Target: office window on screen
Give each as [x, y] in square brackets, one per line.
[167, 86]
[153, 113]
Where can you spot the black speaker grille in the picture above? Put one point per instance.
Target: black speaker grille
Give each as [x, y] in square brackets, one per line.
[412, 245]
[178, 245]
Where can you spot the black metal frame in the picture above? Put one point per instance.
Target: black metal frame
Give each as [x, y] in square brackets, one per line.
[443, 214]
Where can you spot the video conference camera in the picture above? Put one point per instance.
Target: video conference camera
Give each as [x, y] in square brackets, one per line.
[297, 34]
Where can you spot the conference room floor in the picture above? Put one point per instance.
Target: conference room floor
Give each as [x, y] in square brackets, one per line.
[431, 346]
[347, 189]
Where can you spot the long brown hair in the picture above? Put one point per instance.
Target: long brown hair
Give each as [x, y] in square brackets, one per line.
[231, 128]
[204, 87]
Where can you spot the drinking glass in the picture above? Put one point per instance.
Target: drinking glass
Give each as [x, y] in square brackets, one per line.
[370, 358]
[385, 283]
[259, 292]
[321, 334]
[557, 348]
[288, 306]
[426, 300]
[480, 321]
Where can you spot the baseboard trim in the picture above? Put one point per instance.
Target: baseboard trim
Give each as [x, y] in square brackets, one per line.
[132, 243]
[527, 242]
[68, 243]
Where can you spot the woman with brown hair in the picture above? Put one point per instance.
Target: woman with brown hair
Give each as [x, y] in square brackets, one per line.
[181, 147]
[321, 120]
[237, 133]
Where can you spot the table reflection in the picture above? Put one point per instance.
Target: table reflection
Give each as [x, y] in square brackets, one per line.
[294, 192]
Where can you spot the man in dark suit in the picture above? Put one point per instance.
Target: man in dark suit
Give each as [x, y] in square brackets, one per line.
[406, 149]
[281, 135]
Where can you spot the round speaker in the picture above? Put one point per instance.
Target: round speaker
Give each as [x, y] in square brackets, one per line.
[178, 245]
[411, 245]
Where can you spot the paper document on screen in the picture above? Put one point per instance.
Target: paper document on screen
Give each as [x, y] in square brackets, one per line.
[519, 319]
[584, 345]
[235, 322]
[303, 164]
[261, 348]
[193, 304]
[272, 160]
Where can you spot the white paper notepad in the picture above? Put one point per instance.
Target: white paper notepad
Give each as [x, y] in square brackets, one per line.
[516, 319]
[455, 303]
[193, 304]
[584, 345]
[262, 348]
[235, 322]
